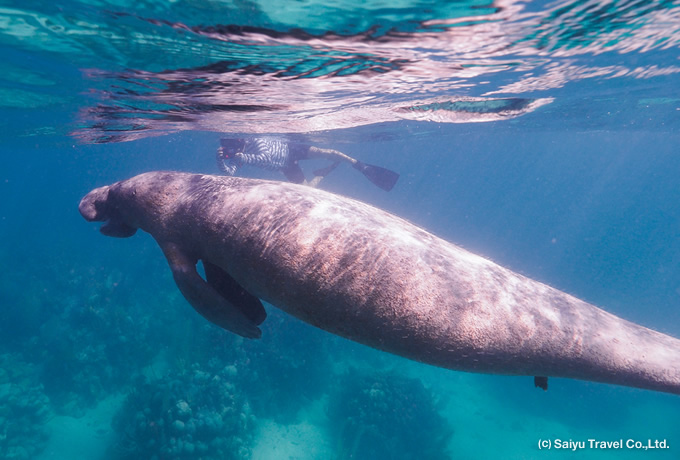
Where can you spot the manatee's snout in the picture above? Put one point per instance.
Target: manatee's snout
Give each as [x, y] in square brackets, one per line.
[94, 207]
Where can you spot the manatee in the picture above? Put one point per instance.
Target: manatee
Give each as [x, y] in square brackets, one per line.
[367, 275]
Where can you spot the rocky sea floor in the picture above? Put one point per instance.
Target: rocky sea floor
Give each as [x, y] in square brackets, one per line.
[129, 376]
[110, 362]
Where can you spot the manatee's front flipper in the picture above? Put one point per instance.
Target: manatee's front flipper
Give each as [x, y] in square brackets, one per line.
[205, 299]
[234, 293]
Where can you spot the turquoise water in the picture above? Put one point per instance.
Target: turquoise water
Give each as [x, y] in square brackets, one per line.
[541, 135]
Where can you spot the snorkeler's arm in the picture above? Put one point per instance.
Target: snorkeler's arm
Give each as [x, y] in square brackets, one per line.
[227, 165]
[255, 159]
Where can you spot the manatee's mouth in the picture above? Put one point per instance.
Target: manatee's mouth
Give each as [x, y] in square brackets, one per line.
[117, 229]
[94, 208]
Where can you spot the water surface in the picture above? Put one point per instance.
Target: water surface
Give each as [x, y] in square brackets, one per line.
[542, 135]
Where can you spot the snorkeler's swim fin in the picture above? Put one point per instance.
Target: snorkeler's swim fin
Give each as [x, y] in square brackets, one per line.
[383, 178]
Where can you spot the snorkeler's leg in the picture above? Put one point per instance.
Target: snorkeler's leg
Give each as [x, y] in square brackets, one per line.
[330, 154]
[319, 174]
[314, 183]
[294, 173]
[382, 177]
[323, 172]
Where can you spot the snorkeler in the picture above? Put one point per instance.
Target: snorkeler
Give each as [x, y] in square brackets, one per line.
[274, 154]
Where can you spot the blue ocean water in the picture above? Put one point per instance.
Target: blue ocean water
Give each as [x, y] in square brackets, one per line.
[541, 135]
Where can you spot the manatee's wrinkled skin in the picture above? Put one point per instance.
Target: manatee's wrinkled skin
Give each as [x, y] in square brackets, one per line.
[364, 274]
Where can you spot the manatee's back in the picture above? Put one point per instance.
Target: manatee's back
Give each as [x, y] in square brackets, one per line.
[367, 275]
[334, 262]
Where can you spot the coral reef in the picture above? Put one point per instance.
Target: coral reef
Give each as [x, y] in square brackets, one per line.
[93, 331]
[287, 369]
[83, 329]
[24, 410]
[194, 413]
[386, 416]
[282, 372]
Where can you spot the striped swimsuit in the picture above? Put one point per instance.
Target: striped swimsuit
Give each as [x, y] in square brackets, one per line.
[262, 152]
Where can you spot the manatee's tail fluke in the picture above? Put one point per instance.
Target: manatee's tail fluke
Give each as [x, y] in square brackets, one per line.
[382, 177]
[600, 347]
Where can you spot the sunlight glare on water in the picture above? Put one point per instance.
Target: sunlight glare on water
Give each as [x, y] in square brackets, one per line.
[313, 66]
